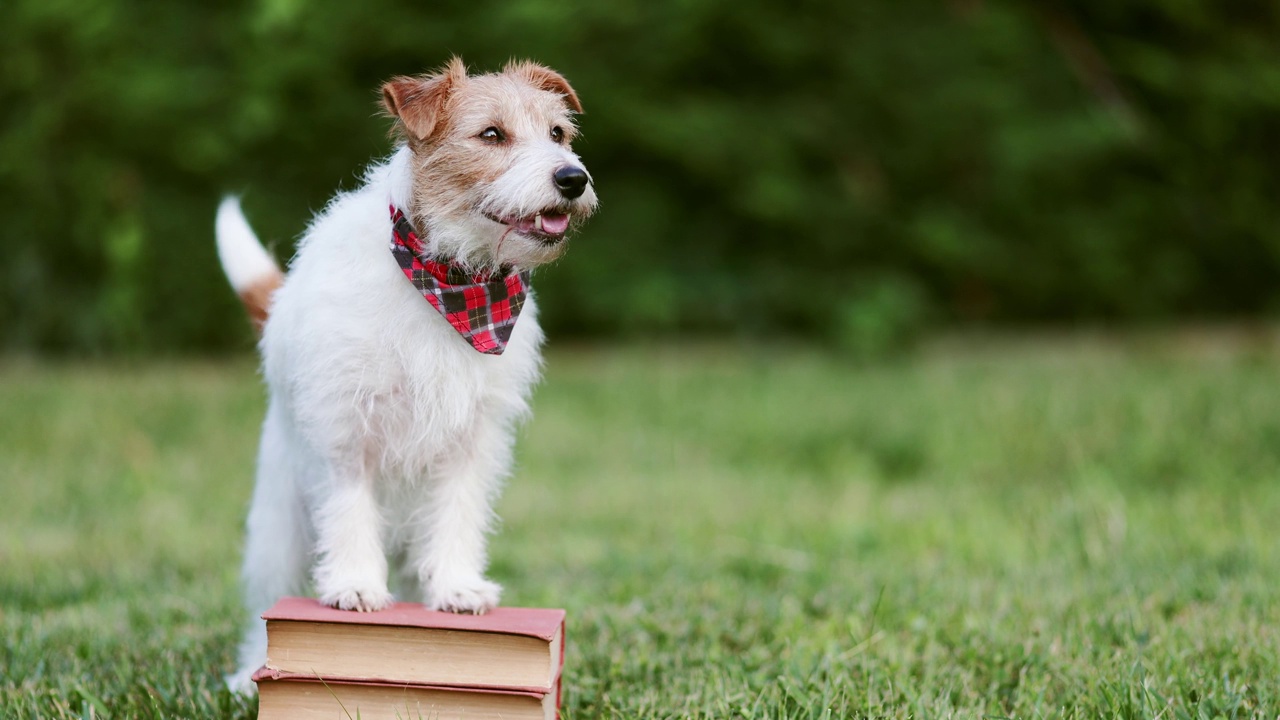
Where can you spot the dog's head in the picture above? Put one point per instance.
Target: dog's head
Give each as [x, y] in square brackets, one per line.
[495, 180]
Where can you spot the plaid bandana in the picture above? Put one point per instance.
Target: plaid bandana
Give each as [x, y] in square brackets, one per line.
[482, 308]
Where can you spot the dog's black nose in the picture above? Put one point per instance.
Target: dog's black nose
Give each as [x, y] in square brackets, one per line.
[571, 180]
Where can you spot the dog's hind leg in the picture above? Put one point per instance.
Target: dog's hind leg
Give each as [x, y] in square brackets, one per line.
[277, 542]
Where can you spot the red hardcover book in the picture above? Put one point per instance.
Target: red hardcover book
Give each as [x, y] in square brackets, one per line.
[520, 649]
[299, 697]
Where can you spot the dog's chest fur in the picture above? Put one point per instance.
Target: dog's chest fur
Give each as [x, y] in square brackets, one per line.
[359, 361]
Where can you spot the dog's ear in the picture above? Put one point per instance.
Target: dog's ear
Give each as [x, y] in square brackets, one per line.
[419, 102]
[544, 78]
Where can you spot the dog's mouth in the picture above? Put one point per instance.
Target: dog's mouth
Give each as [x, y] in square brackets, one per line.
[548, 226]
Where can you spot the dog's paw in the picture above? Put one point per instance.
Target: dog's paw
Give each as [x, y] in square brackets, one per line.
[358, 599]
[474, 596]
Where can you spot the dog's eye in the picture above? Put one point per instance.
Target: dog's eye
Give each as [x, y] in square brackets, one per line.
[557, 134]
[493, 135]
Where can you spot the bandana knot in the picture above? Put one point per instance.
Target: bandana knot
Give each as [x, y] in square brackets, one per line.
[482, 307]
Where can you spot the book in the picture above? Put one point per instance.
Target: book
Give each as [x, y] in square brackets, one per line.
[519, 649]
[299, 697]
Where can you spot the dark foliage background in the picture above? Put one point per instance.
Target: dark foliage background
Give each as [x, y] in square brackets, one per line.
[843, 170]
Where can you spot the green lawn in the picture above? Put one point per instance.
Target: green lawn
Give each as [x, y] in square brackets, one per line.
[1061, 527]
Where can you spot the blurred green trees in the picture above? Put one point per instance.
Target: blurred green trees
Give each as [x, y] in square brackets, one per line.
[842, 170]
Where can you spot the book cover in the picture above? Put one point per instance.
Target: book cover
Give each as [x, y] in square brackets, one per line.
[307, 697]
[521, 648]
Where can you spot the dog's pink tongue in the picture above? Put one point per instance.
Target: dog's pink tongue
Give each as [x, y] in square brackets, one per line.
[555, 224]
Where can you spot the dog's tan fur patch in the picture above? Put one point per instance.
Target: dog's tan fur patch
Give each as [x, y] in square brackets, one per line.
[441, 116]
[257, 299]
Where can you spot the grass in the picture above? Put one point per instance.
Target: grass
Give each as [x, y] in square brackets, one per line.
[1081, 527]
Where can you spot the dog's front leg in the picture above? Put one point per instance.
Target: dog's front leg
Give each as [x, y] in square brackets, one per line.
[452, 531]
[351, 573]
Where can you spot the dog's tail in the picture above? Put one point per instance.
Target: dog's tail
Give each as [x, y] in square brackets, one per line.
[253, 273]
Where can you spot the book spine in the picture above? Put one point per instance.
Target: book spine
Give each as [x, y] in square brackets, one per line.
[564, 640]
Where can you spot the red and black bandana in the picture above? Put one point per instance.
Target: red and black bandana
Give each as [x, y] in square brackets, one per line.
[482, 308]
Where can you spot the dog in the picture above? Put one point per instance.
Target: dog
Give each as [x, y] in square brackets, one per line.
[400, 349]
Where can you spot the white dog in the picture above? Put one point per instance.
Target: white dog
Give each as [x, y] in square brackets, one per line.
[401, 348]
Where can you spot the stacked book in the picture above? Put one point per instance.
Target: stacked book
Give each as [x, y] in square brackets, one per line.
[407, 662]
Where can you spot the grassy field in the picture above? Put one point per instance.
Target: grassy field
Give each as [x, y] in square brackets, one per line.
[1074, 527]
